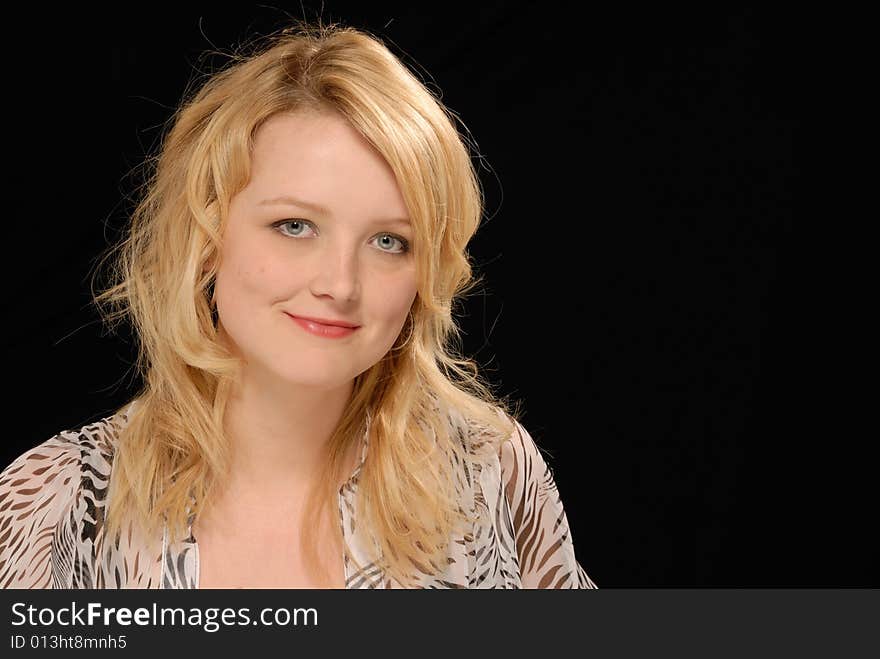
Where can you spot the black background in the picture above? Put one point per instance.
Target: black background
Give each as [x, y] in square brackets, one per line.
[646, 297]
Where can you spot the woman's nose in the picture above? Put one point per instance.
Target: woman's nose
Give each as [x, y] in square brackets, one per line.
[336, 273]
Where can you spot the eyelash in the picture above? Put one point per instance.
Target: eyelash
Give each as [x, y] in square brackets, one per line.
[403, 241]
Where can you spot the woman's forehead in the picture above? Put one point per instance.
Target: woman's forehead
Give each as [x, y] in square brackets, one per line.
[323, 161]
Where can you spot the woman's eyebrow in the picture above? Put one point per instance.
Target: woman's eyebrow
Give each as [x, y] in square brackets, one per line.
[293, 201]
[318, 208]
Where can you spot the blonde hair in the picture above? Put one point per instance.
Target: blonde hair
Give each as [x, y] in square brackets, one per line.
[173, 451]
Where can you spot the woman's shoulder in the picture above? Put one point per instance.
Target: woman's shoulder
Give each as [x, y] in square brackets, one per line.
[490, 432]
[41, 487]
[500, 437]
[64, 453]
[40, 492]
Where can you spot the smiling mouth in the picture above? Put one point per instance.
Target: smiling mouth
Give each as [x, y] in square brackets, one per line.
[321, 329]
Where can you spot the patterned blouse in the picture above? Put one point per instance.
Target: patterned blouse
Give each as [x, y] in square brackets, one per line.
[52, 503]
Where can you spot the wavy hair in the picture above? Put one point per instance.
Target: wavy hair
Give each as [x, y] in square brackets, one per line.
[173, 452]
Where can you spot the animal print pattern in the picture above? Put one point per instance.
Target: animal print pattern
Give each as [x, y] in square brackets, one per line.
[52, 501]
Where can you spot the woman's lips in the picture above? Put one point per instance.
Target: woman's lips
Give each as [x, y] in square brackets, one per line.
[319, 329]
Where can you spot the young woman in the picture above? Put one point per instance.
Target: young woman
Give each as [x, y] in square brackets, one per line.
[290, 273]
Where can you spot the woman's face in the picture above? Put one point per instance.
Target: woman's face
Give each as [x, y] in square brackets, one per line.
[321, 231]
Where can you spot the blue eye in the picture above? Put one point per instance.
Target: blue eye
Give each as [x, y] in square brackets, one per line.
[388, 240]
[297, 227]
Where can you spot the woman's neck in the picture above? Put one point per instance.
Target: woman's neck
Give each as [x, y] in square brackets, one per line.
[279, 435]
